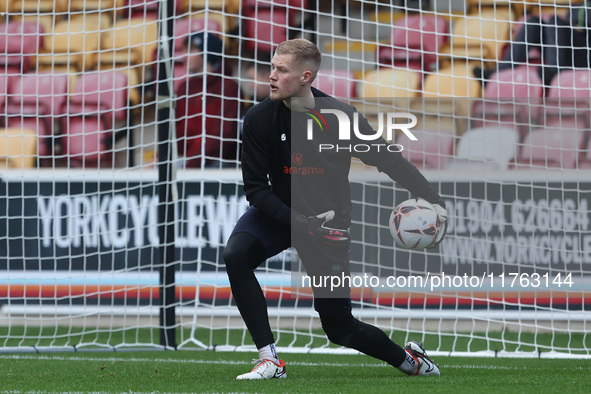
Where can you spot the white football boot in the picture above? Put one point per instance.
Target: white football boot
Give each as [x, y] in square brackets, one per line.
[265, 369]
[426, 365]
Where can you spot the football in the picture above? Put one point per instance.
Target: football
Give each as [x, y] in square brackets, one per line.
[414, 224]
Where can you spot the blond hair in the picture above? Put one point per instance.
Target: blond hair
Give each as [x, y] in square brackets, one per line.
[304, 52]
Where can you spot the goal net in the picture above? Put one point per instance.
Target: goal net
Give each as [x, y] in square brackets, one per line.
[121, 183]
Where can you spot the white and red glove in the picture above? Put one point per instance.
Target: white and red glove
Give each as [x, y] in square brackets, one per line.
[315, 226]
[442, 216]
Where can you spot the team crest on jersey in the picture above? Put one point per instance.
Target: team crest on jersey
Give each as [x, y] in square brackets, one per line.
[297, 167]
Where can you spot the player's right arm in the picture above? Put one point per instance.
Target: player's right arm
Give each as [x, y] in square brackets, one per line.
[256, 167]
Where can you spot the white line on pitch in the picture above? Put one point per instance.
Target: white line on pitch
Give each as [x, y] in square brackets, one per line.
[230, 362]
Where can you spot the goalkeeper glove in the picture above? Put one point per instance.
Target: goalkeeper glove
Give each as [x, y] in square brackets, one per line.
[316, 227]
[442, 216]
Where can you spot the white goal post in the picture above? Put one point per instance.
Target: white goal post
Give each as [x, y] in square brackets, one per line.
[81, 168]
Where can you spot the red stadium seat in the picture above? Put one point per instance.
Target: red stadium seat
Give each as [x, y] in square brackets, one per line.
[512, 97]
[338, 83]
[569, 100]
[36, 102]
[549, 147]
[264, 29]
[266, 23]
[99, 101]
[19, 42]
[515, 82]
[571, 84]
[432, 149]
[4, 79]
[141, 8]
[414, 42]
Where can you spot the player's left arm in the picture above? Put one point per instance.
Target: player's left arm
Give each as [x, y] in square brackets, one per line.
[406, 174]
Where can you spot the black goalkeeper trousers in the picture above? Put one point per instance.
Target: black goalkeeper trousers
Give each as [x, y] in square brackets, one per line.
[256, 238]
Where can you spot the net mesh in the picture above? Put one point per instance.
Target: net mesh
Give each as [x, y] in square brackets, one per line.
[500, 91]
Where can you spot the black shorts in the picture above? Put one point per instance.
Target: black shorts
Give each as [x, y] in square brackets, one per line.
[318, 258]
[274, 236]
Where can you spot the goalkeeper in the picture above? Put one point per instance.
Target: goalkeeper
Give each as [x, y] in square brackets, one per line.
[308, 208]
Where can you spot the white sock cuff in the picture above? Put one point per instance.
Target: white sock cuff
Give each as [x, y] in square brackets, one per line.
[409, 366]
[269, 353]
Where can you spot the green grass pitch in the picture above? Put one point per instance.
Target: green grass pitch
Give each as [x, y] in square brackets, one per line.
[209, 371]
[200, 371]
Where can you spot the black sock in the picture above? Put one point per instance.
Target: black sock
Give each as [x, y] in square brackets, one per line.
[363, 337]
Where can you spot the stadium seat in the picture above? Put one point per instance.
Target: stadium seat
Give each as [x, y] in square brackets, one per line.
[382, 89]
[570, 85]
[438, 114]
[266, 24]
[264, 29]
[142, 8]
[109, 7]
[98, 107]
[548, 7]
[451, 91]
[18, 148]
[455, 80]
[4, 81]
[19, 43]
[37, 101]
[42, 12]
[515, 82]
[338, 83]
[490, 147]
[386, 90]
[477, 6]
[512, 98]
[71, 47]
[101, 19]
[390, 83]
[569, 100]
[550, 147]
[414, 42]
[225, 12]
[432, 149]
[478, 37]
[131, 42]
[130, 47]
[230, 6]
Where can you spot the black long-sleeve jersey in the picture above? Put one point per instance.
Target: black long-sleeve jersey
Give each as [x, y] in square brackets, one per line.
[283, 169]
